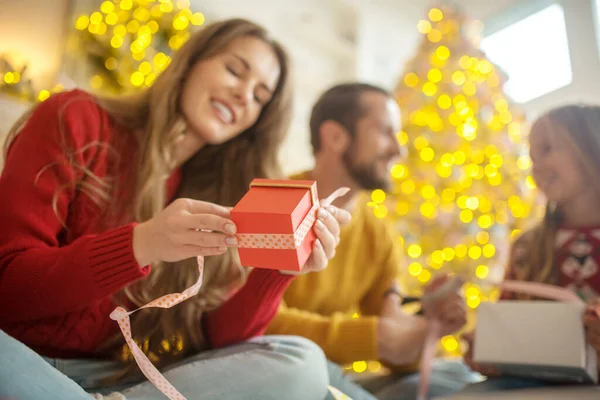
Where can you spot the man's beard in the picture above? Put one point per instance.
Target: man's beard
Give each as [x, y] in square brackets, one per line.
[365, 175]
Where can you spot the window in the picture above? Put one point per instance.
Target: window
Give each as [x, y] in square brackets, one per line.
[534, 53]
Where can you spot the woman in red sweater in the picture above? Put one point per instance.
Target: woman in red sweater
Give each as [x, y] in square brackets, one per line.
[85, 228]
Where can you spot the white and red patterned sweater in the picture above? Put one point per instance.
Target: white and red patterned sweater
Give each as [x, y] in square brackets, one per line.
[577, 256]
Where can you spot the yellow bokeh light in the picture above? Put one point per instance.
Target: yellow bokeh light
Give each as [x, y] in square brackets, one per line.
[482, 271]
[429, 88]
[466, 216]
[450, 343]
[473, 302]
[378, 196]
[112, 19]
[447, 160]
[399, 171]
[428, 210]
[141, 14]
[434, 75]
[485, 221]
[442, 52]
[434, 35]
[374, 366]
[197, 19]
[402, 138]
[137, 78]
[495, 180]
[402, 208]
[530, 182]
[95, 18]
[427, 154]
[9, 77]
[505, 117]
[524, 162]
[489, 250]
[381, 211]
[459, 78]
[435, 14]
[515, 233]
[414, 251]
[120, 30]
[126, 4]
[448, 195]
[421, 142]
[424, 276]
[411, 79]
[475, 252]
[501, 104]
[461, 250]
[469, 88]
[448, 254]
[424, 26]
[180, 22]
[482, 237]
[96, 82]
[133, 26]
[357, 366]
[145, 68]
[485, 67]
[472, 292]
[43, 95]
[444, 101]
[408, 186]
[472, 203]
[428, 192]
[464, 62]
[459, 157]
[82, 23]
[437, 257]
[150, 79]
[415, 269]
[454, 119]
[111, 63]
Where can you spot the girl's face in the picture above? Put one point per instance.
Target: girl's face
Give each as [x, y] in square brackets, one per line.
[224, 95]
[557, 169]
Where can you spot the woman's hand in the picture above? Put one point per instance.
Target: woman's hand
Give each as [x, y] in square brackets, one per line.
[591, 320]
[327, 228]
[186, 228]
[488, 371]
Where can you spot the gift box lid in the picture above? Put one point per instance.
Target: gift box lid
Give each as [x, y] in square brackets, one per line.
[274, 206]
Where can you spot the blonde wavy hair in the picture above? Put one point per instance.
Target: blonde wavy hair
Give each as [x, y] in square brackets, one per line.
[217, 173]
[533, 253]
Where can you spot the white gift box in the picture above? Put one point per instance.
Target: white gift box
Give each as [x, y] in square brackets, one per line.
[535, 339]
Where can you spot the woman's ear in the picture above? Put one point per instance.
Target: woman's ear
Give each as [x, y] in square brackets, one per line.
[334, 137]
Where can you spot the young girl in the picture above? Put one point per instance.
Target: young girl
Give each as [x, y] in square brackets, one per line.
[564, 249]
[85, 228]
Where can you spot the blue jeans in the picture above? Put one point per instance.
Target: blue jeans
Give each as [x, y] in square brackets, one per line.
[504, 383]
[269, 367]
[447, 377]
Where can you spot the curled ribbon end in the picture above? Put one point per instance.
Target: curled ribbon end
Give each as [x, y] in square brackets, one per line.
[117, 313]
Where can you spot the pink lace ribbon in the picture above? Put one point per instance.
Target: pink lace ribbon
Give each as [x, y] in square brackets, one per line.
[122, 316]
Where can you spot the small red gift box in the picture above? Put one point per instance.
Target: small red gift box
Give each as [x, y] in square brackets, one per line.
[274, 223]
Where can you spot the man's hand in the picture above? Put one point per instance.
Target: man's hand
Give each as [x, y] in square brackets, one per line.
[450, 310]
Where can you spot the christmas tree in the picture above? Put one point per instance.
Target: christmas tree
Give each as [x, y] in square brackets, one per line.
[128, 43]
[465, 188]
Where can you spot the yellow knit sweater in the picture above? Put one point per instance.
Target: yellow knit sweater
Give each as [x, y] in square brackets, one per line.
[320, 306]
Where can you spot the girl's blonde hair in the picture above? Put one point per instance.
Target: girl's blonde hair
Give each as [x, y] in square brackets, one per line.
[217, 173]
[533, 253]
